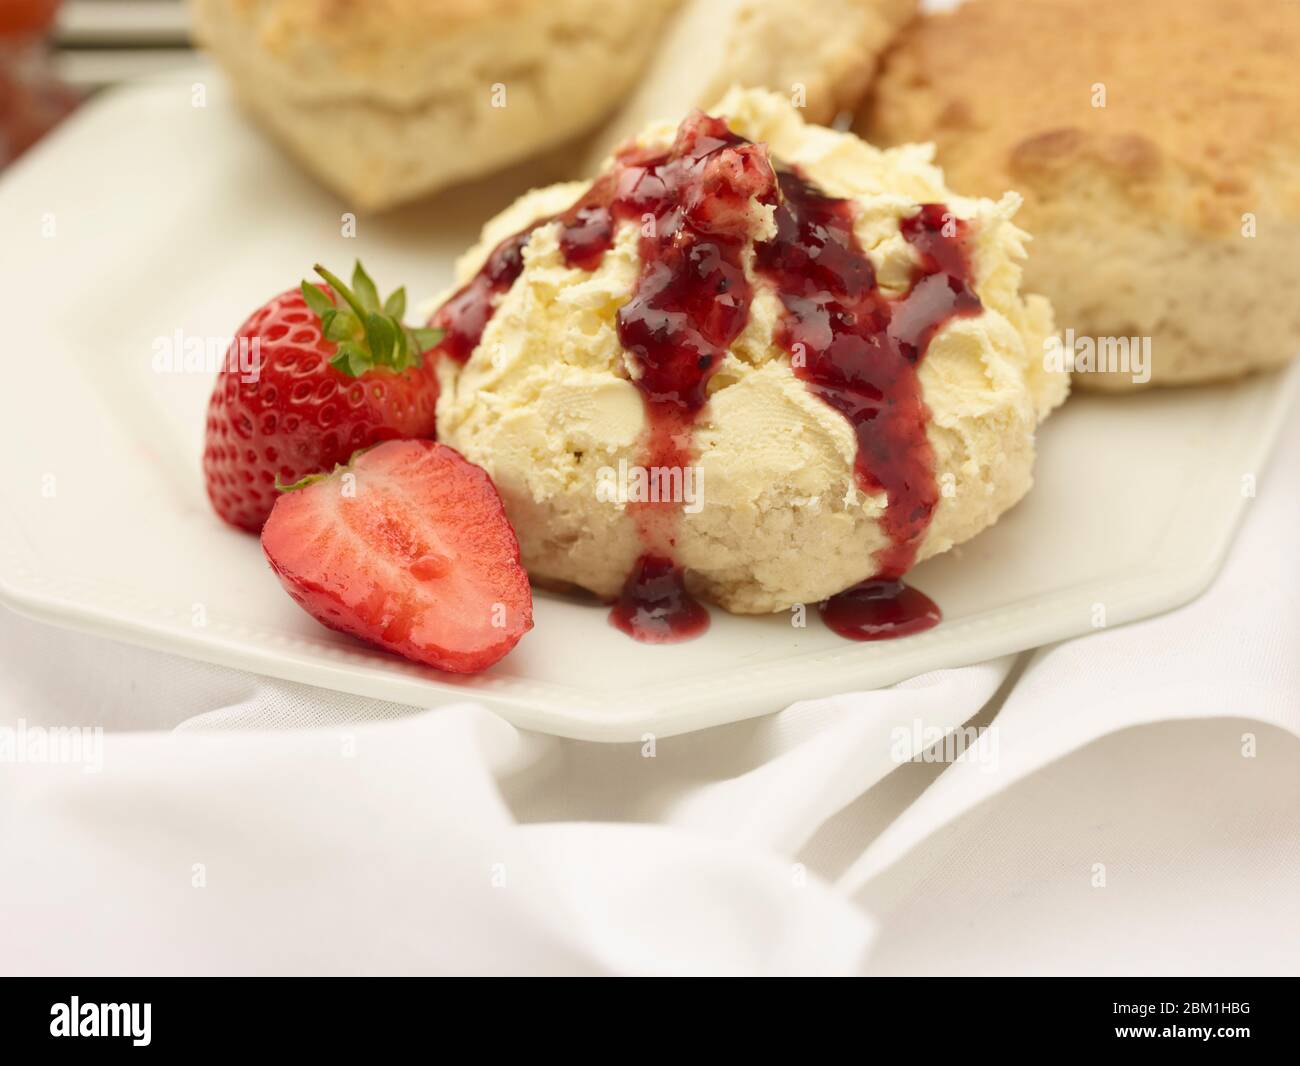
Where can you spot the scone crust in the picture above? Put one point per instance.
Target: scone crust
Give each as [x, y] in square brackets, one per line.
[387, 100]
[821, 55]
[1156, 214]
[336, 48]
[830, 48]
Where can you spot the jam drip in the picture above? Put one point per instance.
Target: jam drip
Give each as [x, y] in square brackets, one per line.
[465, 316]
[880, 610]
[858, 349]
[855, 347]
[691, 300]
[654, 606]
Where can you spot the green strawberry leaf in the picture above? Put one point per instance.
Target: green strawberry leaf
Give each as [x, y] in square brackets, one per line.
[340, 325]
[364, 288]
[395, 305]
[317, 299]
[381, 334]
[424, 339]
[369, 335]
[352, 359]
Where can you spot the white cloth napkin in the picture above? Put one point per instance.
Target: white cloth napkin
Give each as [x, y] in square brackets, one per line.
[1132, 808]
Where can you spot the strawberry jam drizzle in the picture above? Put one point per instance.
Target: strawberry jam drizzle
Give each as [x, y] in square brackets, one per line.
[689, 304]
[654, 606]
[852, 345]
[858, 349]
[465, 316]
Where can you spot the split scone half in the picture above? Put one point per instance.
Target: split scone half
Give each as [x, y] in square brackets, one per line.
[821, 56]
[388, 100]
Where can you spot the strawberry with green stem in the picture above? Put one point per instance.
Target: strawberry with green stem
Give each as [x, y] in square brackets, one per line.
[336, 369]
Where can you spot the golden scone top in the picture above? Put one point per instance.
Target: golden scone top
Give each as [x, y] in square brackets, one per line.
[388, 100]
[372, 20]
[1191, 107]
[399, 52]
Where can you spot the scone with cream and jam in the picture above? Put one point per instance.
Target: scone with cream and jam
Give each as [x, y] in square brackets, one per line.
[756, 355]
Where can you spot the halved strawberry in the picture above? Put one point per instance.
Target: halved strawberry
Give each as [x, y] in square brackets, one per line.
[409, 548]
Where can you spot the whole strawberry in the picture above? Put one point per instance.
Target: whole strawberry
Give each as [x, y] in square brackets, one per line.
[308, 380]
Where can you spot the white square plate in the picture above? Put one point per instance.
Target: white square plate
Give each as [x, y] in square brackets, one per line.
[145, 215]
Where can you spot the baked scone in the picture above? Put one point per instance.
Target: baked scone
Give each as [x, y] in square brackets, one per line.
[822, 55]
[387, 100]
[1157, 146]
[736, 311]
